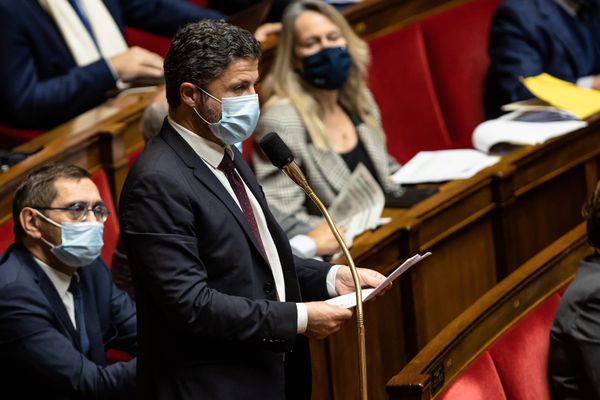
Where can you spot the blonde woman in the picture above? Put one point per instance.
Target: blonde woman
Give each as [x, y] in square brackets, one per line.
[317, 100]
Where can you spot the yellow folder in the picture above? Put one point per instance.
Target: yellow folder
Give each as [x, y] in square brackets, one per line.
[581, 102]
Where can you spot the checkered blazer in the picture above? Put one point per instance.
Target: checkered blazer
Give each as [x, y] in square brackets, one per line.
[325, 171]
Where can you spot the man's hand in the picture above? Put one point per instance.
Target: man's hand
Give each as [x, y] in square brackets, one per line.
[596, 82]
[324, 240]
[367, 277]
[137, 63]
[324, 319]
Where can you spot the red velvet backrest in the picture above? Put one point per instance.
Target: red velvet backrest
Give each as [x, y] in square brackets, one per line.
[400, 80]
[479, 381]
[521, 354]
[111, 226]
[12, 137]
[149, 41]
[7, 236]
[456, 43]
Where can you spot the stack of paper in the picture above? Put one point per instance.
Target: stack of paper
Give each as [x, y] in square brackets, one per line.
[358, 206]
[523, 127]
[443, 165]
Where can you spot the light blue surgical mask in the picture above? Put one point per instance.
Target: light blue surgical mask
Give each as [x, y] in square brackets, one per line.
[239, 116]
[81, 242]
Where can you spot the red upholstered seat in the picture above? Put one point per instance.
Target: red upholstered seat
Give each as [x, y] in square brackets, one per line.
[456, 43]
[479, 381]
[401, 83]
[11, 137]
[155, 43]
[521, 354]
[111, 226]
[6, 235]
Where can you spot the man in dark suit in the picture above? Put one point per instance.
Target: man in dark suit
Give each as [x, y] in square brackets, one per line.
[59, 310]
[221, 298]
[574, 359]
[559, 37]
[42, 85]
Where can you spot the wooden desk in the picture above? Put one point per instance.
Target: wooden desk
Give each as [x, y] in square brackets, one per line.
[479, 230]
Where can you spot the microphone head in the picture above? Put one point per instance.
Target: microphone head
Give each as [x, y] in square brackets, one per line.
[276, 150]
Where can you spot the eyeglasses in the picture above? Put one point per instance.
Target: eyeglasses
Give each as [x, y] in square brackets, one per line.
[79, 211]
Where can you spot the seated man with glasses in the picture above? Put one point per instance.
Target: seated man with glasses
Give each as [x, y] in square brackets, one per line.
[59, 310]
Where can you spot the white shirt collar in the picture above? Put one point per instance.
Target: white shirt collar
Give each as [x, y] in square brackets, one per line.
[60, 280]
[210, 152]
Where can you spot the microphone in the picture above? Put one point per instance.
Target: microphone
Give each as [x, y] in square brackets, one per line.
[281, 156]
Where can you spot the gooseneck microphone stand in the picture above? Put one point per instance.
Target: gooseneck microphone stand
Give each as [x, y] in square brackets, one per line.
[281, 156]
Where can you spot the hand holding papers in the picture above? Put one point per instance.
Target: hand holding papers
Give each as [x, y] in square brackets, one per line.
[349, 300]
[443, 165]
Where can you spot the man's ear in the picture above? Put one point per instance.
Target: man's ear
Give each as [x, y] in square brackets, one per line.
[188, 93]
[29, 222]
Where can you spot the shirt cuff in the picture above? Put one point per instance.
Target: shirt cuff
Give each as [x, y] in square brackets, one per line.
[303, 246]
[302, 317]
[118, 82]
[585, 82]
[331, 280]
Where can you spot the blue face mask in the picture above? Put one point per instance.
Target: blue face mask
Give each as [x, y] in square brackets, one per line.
[239, 116]
[328, 69]
[81, 242]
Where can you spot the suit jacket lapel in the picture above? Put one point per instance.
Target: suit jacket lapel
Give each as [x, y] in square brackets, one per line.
[209, 180]
[374, 150]
[332, 166]
[279, 238]
[51, 294]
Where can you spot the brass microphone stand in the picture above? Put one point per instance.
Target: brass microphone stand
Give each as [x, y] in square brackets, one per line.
[297, 176]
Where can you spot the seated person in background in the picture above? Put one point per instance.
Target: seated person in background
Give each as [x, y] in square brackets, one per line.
[60, 58]
[318, 102]
[305, 241]
[59, 310]
[574, 363]
[559, 37]
[230, 7]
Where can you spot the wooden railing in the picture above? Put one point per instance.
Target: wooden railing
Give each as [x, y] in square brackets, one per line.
[464, 339]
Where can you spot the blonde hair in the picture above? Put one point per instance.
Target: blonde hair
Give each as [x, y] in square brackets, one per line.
[283, 82]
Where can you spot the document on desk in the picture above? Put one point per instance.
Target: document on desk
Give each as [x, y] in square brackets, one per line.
[359, 204]
[524, 127]
[443, 165]
[349, 300]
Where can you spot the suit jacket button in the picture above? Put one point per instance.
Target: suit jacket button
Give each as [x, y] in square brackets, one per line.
[268, 288]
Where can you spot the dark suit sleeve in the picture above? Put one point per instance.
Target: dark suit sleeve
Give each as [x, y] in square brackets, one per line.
[514, 53]
[586, 332]
[30, 341]
[29, 101]
[123, 319]
[312, 276]
[164, 17]
[159, 231]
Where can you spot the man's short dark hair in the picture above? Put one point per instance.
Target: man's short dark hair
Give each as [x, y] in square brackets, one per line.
[38, 190]
[201, 51]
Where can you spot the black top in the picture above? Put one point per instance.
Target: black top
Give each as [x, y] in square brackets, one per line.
[359, 155]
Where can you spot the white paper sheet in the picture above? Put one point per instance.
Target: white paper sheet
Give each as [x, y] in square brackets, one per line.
[443, 165]
[506, 130]
[348, 300]
[358, 205]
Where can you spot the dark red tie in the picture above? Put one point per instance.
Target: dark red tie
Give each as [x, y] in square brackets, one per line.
[237, 185]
